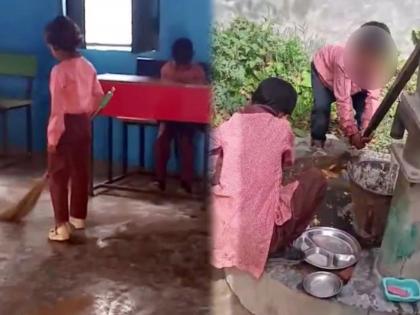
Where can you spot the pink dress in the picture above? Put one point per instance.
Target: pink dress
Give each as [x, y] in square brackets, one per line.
[248, 200]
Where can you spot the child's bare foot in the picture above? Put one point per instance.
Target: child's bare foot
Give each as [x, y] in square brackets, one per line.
[317, 144]
[60, 233]
[318, 147]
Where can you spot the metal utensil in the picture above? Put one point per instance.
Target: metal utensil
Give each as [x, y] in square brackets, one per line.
[318, 257]
[339, 259]
[322, 284]
[329, 248]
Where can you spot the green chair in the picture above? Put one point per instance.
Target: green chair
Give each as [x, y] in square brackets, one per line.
[19, 66]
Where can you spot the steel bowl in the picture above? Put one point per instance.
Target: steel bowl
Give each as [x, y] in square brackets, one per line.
[322, 284]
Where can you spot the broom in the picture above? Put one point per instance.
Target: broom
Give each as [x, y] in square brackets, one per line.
[27, 203]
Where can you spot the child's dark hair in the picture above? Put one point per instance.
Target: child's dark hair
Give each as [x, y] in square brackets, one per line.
[183, 51]
[276, 93]
[372, 40]
[381, 25]
[63, 34]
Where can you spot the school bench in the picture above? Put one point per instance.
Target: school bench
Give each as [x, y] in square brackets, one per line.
[17, 66]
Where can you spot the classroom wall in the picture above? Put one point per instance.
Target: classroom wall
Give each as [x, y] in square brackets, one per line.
[21, 25]
[21, 30]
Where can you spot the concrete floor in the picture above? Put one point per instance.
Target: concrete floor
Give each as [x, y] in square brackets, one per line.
[142, 255]
[223, 300]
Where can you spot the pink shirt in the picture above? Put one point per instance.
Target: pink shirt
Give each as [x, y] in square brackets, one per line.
[74, 89]
[249, 199]
[190, 74]
[329, 63]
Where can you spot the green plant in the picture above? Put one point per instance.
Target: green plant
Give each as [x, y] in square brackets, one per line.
[245, 53]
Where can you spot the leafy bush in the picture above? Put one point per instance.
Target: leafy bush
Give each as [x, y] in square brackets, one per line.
[245, 53]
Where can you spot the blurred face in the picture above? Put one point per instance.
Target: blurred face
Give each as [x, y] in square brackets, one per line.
[370, 68]
[183, 57]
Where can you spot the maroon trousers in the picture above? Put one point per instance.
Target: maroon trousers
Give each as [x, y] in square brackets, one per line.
[183, 133]
[69, 167]
[307, 197]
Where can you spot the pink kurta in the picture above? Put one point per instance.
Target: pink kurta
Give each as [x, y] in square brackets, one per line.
[74, 89]
[329, 63]
[249, 199]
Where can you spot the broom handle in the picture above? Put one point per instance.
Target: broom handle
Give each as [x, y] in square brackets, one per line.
[104, 102]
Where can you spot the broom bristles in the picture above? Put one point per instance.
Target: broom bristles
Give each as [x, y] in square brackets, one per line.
[25, 205]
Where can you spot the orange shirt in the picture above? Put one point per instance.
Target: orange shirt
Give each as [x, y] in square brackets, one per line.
[74, 89]
[188, 74]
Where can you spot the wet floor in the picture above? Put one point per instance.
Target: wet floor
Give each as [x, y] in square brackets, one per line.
[138, 256]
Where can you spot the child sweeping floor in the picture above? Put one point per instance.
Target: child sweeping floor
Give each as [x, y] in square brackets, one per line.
[75, 95]
[253, 212]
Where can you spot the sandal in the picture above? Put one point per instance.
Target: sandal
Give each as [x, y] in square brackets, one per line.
[77, 224]
[60, 233]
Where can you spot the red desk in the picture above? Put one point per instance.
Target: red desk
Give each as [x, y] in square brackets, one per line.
[140, 98]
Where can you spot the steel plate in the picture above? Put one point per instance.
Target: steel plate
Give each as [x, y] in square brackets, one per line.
[329, 248]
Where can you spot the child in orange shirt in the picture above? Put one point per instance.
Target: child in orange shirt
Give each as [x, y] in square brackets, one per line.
[75, 95]
[180, 70]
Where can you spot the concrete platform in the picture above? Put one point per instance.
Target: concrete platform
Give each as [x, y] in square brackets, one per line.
[279, 291]
[139, 255]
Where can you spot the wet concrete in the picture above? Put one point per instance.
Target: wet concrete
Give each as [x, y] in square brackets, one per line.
[141, 255]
